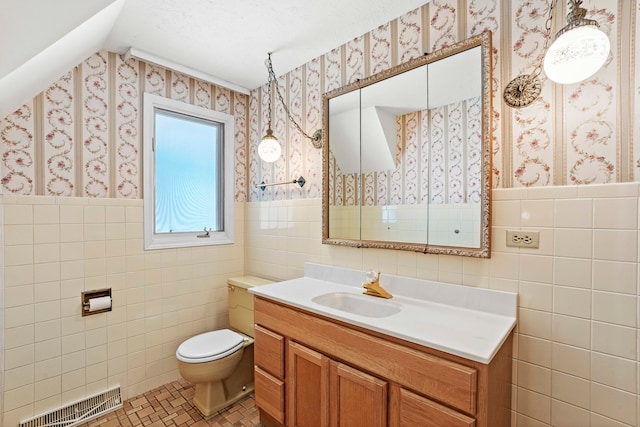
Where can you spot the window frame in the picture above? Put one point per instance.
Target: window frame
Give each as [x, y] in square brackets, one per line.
[152, 240]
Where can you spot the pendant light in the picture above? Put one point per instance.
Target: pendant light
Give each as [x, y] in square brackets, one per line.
[579, 50]
[269, 149]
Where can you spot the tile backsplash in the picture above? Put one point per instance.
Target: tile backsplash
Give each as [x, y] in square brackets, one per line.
[576, 350]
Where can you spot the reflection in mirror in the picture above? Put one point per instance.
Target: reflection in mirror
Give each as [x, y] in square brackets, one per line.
[390, 211]
[344, 167]
[407, 163]
[455, 136]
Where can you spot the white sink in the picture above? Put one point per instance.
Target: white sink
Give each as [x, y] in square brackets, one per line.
[361, 305]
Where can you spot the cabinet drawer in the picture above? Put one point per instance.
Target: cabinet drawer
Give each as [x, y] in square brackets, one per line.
[269, 351]
[269, 394]
[409, 409]
[444, 380]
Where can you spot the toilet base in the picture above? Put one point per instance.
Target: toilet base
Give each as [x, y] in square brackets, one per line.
[211, 397]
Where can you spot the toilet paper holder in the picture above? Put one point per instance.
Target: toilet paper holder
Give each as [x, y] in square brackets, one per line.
[87, 296]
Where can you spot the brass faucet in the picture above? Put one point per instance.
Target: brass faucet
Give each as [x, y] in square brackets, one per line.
[373, 287]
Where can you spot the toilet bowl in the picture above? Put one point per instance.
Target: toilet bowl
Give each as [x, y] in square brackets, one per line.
[208, 360]
[220, 362]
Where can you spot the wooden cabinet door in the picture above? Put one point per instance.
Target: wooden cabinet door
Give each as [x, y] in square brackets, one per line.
[357, 399]
[407, 409]
[307, 387]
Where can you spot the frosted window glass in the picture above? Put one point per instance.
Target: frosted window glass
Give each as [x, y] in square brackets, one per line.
[188, 158]
[189, 164]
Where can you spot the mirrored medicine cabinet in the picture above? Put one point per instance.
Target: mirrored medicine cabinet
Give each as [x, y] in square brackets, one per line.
[407, 155]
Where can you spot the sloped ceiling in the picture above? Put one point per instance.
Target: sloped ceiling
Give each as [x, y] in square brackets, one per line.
[228, 39]
[37, 48]
[27, 27]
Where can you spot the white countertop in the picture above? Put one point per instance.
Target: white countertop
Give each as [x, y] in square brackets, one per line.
[464, 321]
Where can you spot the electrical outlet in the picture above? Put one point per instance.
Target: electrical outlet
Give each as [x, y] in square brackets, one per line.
[523, 239]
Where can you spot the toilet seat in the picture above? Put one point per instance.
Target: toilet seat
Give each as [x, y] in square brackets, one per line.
[209, 346]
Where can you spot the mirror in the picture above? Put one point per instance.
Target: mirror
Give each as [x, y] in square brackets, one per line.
[407, 155]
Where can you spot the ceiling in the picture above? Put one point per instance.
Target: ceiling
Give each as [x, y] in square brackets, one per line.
[227, 39]
[230, 39]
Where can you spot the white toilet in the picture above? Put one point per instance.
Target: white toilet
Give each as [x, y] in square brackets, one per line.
[220, 363]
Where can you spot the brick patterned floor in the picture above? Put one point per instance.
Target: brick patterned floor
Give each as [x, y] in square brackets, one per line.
[170, 405]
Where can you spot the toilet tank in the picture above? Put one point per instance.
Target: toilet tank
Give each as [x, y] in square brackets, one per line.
[241, 302]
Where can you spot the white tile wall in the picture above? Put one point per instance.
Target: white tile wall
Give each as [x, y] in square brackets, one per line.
[56, 248]
[576, 352]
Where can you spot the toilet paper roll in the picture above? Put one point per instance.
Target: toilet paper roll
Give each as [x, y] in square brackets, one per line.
[99, 303]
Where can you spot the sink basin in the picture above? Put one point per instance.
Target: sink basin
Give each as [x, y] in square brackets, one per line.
[361, 305]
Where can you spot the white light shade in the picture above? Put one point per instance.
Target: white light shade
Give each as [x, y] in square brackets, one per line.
[576, 55]
[269, 150]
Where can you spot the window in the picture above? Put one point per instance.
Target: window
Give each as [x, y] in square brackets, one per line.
[188, 174]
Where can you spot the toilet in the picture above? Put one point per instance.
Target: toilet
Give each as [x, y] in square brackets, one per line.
[220, 362]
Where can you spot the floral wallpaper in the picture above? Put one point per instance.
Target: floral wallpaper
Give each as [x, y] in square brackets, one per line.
[127, 130]
[58, 130]
[585, 133]
[82, 136]
[438, 160]
[17, 136]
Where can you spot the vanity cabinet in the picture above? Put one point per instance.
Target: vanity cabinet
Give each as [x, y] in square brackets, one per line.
[312, 370]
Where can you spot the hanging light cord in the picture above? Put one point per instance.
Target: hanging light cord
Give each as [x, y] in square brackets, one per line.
[547, 27]
[269, 103]
[316, 139]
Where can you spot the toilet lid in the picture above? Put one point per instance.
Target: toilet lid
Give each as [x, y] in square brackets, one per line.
[209, 346]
